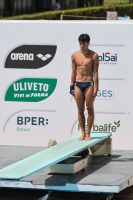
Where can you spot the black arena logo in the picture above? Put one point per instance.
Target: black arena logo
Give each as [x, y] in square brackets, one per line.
[30, 56]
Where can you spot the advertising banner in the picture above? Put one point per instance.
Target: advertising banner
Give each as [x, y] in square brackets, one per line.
[35, 71]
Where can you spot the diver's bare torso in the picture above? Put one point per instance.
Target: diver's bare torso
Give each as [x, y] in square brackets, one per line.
[84, 63]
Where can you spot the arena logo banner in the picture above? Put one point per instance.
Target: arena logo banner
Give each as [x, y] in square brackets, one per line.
[30, 56]
[31, 89]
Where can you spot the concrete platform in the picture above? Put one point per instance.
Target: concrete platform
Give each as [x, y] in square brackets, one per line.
[105, 174]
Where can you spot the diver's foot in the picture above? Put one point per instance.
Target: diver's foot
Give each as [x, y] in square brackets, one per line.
[87, 137]
[82, 137]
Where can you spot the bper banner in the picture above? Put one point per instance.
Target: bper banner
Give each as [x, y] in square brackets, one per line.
[35, 102]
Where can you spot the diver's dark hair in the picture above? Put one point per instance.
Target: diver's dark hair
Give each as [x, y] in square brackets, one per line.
[84, 38]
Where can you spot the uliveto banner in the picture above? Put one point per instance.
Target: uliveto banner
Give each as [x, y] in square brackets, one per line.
[35, 77]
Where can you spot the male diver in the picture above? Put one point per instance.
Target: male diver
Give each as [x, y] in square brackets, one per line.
[84, 83]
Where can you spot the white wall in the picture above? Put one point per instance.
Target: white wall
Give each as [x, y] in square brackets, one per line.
[112, 109]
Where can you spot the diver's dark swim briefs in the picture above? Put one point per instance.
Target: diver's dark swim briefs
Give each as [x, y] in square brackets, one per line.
[83, 85]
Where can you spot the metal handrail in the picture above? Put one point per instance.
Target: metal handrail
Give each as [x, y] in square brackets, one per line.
[61, 17]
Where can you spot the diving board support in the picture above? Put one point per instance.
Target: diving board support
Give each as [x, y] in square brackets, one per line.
[101, 148]
[71, 165]
[46, 196]
[79, 162]
[109, 197]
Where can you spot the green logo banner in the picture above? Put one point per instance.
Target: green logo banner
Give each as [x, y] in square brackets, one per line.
[103, 128]
[31, 89]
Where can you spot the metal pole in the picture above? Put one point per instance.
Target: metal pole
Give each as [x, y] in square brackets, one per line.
[109, 197]
[1, 14]
[46, 196]
[61, 17]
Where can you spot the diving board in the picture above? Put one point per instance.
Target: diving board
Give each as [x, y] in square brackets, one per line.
[50, 156]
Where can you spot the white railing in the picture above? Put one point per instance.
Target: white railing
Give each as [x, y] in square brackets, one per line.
[90, 17]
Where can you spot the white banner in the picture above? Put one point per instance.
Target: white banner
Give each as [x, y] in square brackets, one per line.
[35, 77]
